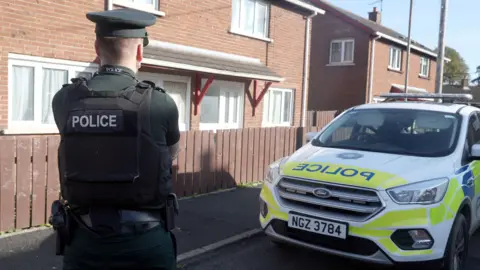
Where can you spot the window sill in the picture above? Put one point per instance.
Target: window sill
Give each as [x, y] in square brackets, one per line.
[395, 70]
[215, 127]
[240, 33]
[423, 77]
[133, 6]
[340, 64]
[31, 130]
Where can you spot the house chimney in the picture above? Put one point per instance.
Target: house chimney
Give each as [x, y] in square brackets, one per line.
[375, 16]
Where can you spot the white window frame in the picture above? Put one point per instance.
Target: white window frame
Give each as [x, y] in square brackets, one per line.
[153, 9]
[159, 79]
[233, 87]
[342, 51]
[395, 66]
[237, 26]
[265, 122]
[38, 63]
[424, 61]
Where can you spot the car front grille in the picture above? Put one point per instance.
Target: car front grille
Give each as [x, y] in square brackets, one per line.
[344, 203]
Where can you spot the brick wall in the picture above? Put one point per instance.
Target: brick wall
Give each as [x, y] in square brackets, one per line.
[336, 87]
[26, 28]
[384, 78]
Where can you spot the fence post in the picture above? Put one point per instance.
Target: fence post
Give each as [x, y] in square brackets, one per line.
[300, 138]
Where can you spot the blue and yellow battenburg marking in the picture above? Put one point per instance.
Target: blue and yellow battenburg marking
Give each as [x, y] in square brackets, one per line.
[337, 173]
[467, 172]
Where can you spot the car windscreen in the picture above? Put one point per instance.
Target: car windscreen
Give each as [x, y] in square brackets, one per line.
[396, 131]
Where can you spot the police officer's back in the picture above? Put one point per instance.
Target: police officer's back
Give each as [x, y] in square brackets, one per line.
[118, 138]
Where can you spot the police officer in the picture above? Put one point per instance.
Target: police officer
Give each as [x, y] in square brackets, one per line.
[118, 139]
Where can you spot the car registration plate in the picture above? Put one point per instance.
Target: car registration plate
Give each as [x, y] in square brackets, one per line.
[318, 225]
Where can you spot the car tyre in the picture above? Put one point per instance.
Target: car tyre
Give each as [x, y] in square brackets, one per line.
[456, 252]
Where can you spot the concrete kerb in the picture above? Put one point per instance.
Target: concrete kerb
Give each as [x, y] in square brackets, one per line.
[208, 248]
[207, 194]
[35, 229]
[258, 184]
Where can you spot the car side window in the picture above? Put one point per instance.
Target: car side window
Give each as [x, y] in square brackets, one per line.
[473, 136]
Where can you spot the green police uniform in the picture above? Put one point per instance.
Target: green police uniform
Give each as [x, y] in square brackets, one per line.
[151, 249]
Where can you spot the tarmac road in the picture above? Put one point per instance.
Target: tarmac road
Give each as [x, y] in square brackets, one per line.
[260, 253]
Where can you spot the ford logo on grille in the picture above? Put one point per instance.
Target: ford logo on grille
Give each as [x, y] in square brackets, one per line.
[322, 193]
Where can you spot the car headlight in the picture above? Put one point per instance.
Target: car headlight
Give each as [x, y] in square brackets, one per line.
[273, 172]
[426, 192]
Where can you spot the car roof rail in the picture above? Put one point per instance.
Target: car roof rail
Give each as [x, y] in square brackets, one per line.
[443, 98]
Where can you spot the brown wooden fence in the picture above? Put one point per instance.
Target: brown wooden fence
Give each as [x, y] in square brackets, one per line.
[319, 118]
[207, 162]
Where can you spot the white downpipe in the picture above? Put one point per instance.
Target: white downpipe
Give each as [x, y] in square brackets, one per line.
[306, 70]
[372, 65]
[109, 4]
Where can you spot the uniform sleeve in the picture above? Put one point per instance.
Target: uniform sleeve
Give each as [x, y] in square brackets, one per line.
[173, 131]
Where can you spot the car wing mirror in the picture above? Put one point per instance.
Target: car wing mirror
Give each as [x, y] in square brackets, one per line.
[475, 152]
[311, 135]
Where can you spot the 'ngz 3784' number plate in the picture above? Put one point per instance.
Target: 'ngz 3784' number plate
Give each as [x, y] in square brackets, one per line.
[318, 225]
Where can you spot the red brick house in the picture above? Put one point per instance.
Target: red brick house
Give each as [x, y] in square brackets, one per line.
[227, 64]
[354, 59]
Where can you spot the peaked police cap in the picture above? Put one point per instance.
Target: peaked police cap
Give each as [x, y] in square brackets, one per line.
[123, 23]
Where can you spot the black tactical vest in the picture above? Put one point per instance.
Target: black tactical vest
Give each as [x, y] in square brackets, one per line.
[107, 155]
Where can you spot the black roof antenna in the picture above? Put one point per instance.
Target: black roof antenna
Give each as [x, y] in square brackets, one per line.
[381, 4]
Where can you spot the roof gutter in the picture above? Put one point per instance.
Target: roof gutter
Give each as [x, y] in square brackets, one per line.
[306, 6]
[306, 66]
[372, 65]
[404, 43]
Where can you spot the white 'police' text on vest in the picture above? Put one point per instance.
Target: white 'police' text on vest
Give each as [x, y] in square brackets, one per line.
[93, 121]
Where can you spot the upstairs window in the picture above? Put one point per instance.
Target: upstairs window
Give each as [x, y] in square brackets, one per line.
[250, 17]
[341, 51]
[150, 6]
[424, 66]
[395, 61]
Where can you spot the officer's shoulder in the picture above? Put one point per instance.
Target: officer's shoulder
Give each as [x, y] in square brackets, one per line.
[159, 95]
[74, 83]
[156, 90]
[68, 87]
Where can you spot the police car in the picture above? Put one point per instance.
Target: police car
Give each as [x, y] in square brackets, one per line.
[387, 183]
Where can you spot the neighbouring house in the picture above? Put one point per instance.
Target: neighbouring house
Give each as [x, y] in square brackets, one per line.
[227, 64]
[354, 59]
[464, 87]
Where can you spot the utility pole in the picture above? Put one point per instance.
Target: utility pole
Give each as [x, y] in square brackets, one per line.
[441, 47]
[408, 46]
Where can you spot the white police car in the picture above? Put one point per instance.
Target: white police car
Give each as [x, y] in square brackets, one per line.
[387, 183]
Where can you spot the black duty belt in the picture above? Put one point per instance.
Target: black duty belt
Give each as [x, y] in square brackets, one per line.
[130, 221]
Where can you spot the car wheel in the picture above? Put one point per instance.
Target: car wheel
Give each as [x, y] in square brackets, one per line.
[456, 252]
